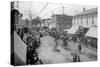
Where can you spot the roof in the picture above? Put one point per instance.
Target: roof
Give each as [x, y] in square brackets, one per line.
[46, 19]
[73, 29]
[92, 32]
[62, 17]
[90, 11]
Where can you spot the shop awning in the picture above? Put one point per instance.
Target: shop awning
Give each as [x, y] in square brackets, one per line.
[92, 32]
[85, 30]
[73, 30]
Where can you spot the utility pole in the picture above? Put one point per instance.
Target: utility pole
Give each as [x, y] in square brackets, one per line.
[30, 15]
[63, 9]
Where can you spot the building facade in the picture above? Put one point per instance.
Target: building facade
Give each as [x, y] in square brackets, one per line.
[62, 22]
[87, 20]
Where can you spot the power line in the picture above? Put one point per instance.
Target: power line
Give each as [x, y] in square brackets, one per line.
[43, 8]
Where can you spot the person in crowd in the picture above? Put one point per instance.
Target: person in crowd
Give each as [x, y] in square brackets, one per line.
[22, 34]
[78, 58]
[86, 41]
[74, 58]
[32, 56]
[79, 47]
[24, 38]
[66, 43]
[60, 43]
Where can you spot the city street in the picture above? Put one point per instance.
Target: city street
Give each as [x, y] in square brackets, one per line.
[87, 54]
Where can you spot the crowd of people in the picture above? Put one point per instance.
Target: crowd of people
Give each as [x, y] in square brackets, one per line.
[32, 39]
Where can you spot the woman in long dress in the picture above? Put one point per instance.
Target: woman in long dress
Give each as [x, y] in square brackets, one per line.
[47, 53]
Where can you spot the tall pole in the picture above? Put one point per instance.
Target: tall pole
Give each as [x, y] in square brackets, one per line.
[63, 18]
[63, 9]
[30, 15]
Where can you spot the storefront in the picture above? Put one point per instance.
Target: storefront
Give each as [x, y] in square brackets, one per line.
[92, 37]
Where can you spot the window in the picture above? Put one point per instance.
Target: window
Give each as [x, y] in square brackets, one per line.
[90, 21]
[76, 21]
[84, 21]
[79, 21]
[73, 21]
[95, 21]
[87, 21]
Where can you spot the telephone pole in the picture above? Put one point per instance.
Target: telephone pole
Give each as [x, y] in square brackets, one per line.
[63, 9]
[30, 15]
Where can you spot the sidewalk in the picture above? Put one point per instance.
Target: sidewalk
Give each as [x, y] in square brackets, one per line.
[92, 54]
[91, 49]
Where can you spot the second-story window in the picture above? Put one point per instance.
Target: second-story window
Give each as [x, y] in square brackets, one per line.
[76, 21]
[95, 21]
[84, 21]
[92, 20]
[87, 21]
[79, 21]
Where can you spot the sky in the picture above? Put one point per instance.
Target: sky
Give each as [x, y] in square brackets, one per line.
[46, 10]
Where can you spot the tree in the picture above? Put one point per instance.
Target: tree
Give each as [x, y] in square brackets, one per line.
[27, 22]
[36, 21]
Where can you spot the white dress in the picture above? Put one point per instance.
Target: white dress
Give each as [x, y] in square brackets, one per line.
[47, 53]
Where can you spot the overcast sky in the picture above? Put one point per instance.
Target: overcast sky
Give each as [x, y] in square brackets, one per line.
[36, 9]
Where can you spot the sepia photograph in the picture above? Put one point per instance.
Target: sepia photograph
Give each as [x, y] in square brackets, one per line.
[52, 33]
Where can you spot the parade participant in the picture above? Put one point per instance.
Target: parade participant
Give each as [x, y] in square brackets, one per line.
[74, 58]
[86, 41]
[24, 38]
[78, 58]
[79, 47]
[60, 43]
